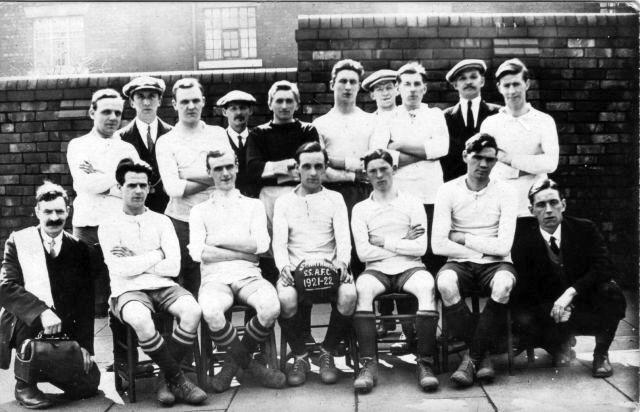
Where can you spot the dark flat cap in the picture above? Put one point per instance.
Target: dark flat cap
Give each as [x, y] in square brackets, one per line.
[235, 96]
[143, 83]
[383, 75]
[465, 64]
[510, 66]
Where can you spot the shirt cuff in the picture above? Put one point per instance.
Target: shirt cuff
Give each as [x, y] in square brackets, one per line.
[352, 163]
[391, 244]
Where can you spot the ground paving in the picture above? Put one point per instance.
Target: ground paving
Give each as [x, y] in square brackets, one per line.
[537, 387]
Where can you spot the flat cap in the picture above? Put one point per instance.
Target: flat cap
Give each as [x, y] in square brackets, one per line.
[143, 83]
[509, 67]
[383, 75]
[235, 96]
[465, 64]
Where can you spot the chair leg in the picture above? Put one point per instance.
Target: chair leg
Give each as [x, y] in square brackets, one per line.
[509, 343]
[131, 366]
[201, 354]
[270, 349]
[444, 340]
[283, 352]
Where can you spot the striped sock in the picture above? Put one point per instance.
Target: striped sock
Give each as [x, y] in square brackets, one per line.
[254, 334]
[158, 351]
[180, 343]
[227, 338]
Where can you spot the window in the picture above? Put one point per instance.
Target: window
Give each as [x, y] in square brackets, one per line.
[58, 45]
[230, 33]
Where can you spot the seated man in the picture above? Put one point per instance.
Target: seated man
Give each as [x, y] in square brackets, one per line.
[227, 233]
[142, 253]
[389, 229]
[46, 285]
[474, 222]
[565, 283]
[311, 223]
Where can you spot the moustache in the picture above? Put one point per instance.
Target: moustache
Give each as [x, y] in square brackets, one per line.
[54, 223]
[239, 118]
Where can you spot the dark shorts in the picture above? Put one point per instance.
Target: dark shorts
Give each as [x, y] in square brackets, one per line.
[474, 276]
[393, 283]
[155, 299]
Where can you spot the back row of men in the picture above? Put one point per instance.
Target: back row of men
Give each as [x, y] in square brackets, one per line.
[379, 172]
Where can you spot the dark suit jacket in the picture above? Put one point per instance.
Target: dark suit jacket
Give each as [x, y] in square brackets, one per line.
[245, 185]
[71, 289]
[157, 199]
[452, 164]
[586, 262]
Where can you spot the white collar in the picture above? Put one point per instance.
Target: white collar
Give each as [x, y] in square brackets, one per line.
[297, 192]
[475, 102]
[219, 195]
[547, 236]
[142, 127]
[234, 134]
[46, 240]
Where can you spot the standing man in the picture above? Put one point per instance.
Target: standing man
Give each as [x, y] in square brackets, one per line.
[227, 233]
[417, 137]
[474, 224]
[311, 223]
[382, 89]
[464, 119]
[141, 249]
[182, 157]
[390, 233]
[92, 160]
[46, 285]
[565, 284]
[527, 138]
[145, 96]
[237, 107]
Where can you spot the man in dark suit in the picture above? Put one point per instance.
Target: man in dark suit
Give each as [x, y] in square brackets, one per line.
[237, 107]
[565, 280]
[143, 132]
[46, 285]
[464, 119]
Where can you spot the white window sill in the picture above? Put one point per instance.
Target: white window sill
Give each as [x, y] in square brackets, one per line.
[229, 64]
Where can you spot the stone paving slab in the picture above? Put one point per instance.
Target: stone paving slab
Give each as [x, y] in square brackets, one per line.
[556, 390]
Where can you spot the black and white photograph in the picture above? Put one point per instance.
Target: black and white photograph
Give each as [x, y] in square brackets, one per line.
[349, 206]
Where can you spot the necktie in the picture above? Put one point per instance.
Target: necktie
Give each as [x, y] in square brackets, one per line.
[240, 145]
[470, 121]
[52, 248]
[554, 246]
[149, 139]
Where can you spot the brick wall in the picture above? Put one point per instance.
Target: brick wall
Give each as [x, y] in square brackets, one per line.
[38, 117]
[584, 69]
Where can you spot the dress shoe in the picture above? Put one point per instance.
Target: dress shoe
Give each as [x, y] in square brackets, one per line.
[601, 367]
[269, 378]
[368, 376]
[486, 372]
[30, 397]
[186, 391]
[426, 378]
[328, 370]
[298, 373]
[403, 348]
[164, 395]
[308, 339]
[221, 381]
[139, 370]
[464, 375]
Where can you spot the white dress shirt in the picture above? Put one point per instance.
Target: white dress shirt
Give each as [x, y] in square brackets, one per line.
[234, 136]
[391, 221]
[46, 242]
[345, 136]
[486, 217]
[146, 235]
[143, 127]
[532, 140]
[475, 108]
[424, 126]
[314, 226]
[97, 194]
[179, 153]
[547, 236]
[228, 215]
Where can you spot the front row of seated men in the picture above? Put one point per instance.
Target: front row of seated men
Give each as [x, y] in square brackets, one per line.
[564, 275]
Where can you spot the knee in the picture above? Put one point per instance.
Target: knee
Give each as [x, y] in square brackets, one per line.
[364, 295]
[502, 286]
[347, 298]
[139, 318]
[268, 311]
[448, 286]
[214, 316]
[288, 304]
[190, 315]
